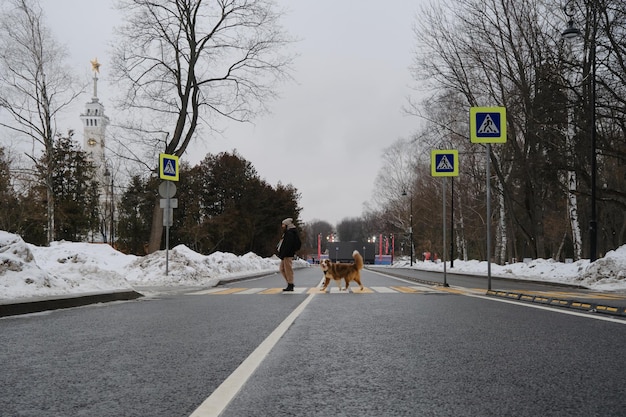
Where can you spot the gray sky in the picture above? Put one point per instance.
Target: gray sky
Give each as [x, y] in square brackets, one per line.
[326, 133]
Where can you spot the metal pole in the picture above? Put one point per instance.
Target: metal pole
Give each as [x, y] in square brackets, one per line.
[166, 213]
[443, 258]
[452, 223]
[488, 175]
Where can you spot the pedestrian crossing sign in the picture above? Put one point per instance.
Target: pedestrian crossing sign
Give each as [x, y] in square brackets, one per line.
[444, 163]
[488, 124]
[168, 167]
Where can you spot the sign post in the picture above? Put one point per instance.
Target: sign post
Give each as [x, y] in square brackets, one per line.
[444, 163]
[168, 171]
[488, 125]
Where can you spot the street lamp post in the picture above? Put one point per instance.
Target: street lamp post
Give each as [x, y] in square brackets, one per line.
[569, 34]
[404, 194]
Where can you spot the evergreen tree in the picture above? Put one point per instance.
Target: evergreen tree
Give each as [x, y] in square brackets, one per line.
[75, 189]
[135, 215]
[9, 221]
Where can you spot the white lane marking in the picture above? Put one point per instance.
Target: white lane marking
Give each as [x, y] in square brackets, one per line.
[223, 395]
[413, 283]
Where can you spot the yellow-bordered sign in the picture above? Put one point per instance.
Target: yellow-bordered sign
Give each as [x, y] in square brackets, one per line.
[168, 167]
[488, 124]
[444, 163]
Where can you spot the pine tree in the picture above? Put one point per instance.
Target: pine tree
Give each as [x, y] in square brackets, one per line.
[75, 189]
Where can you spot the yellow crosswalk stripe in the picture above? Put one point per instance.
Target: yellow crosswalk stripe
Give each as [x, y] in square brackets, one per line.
[229, 291]
[365, 290]
[409, 290]
[271, 291]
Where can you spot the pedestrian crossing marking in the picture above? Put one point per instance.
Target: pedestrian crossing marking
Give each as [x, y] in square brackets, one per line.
[408, 289]
[384, 290]
[229, 291]
[206, 292]
[271, 291]
[365, 290]
[316, 290]
[250, 291]
[405, 290]
[454, 290]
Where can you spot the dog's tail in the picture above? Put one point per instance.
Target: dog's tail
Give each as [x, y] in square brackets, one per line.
[358, 259]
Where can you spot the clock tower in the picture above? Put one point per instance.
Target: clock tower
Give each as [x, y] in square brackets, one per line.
[94, 126]
[94, 132]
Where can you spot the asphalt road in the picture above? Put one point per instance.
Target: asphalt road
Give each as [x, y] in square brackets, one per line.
[432, 352]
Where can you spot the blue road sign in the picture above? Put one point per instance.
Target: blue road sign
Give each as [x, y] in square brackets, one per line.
[444, 163]
[488, 124]
[168, 167]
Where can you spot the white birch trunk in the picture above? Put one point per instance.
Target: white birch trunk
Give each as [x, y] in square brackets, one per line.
[459, 220]
[501, 229]
[503, 235]
[572, 208]
[572, 183]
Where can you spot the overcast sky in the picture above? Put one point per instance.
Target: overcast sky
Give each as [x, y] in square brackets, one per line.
[327, 132]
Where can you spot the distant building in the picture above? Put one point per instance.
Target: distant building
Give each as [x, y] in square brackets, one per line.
[342, 251]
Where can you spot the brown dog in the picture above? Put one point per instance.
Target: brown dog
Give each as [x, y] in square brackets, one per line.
[349, 272]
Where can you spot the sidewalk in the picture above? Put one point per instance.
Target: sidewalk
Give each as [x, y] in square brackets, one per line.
[36, 305]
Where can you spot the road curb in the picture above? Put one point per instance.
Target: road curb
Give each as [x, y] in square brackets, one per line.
[560, 302]
[36, 306]
[29, 306]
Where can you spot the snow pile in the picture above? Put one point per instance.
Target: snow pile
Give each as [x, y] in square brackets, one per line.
[186, 267]
[28, 271]
[608, 272]
[605, 274]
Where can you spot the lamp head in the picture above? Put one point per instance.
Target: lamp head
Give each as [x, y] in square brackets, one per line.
[572, 32]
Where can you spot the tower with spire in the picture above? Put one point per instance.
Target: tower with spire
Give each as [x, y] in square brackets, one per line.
[95, 123]
[94, 126]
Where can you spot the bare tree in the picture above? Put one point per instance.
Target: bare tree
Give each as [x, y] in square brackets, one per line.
[505, 53]
[182, 62]
[35, 84]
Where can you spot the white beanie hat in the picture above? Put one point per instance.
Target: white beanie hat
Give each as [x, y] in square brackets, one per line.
[288, 222]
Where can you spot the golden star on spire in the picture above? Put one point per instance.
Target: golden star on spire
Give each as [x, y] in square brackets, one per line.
[95, 65]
